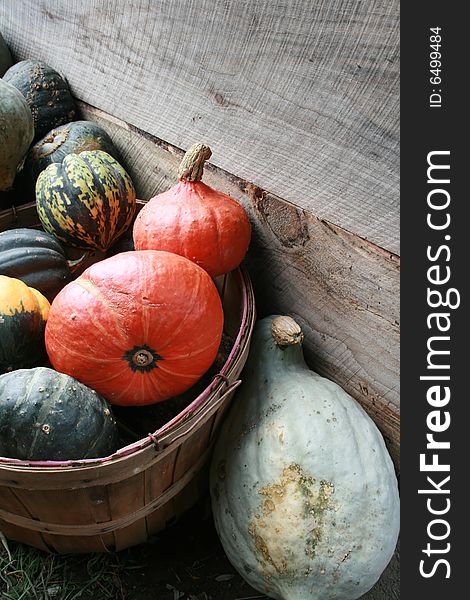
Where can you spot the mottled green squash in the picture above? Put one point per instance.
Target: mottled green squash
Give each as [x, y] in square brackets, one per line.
[304, 493]
[71, 138]
[86, 201]
[23, 316]
[16, 133]
[47, 93]
[46, 415]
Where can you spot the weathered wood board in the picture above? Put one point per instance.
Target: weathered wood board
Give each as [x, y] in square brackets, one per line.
[299, 98]
[343, 290]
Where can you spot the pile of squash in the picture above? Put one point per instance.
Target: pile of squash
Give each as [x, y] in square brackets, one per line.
[303, 490]
[135, 328]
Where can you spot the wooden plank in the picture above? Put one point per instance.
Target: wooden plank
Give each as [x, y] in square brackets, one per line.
[98, 500]
[64, 507]
[218, 420]
[125, 498]
[300, 98]
[158, 478]
[192, 449]
[192, 492]
[230, 293]
[10, 501]
[343, 290]
[91, 475]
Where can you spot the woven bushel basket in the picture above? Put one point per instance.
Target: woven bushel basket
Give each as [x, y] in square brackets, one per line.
[112, 503]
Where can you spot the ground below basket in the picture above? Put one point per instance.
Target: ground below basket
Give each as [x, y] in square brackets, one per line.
[187, 559]
[184, 562]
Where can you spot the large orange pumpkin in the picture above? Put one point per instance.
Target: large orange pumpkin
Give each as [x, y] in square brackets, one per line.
[139, 327]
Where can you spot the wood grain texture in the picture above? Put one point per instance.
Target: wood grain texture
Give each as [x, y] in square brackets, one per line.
[10, 500]
[343, 290]
[300, 98]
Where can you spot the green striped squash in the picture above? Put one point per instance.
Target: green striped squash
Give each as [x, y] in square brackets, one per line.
[86, 201]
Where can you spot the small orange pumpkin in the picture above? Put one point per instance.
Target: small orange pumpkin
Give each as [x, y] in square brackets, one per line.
[194, 220]
[138, 327]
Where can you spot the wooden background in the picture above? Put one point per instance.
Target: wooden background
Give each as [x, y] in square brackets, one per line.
[299, 103]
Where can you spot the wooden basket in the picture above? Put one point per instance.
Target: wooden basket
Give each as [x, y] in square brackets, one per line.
[113, 503]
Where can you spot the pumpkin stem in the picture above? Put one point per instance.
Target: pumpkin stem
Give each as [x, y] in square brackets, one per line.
[286, 332]
[192, 165]
[74, 265]
[143, 358]
[49, 144]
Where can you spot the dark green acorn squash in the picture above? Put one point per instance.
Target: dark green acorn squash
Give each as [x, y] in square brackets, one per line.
[46, 415]
[47, 93]
[71, 138]
[86, 201]
[23, 316]
[37, 258]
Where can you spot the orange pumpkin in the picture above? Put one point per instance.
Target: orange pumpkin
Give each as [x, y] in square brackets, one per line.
[194, 220]
[139, 327]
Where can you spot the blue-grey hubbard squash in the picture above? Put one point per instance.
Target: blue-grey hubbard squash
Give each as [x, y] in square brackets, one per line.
[16, 132]
[304, 493]
[46, 92]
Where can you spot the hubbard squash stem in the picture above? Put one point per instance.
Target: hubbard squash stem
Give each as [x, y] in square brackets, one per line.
[286, 332]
